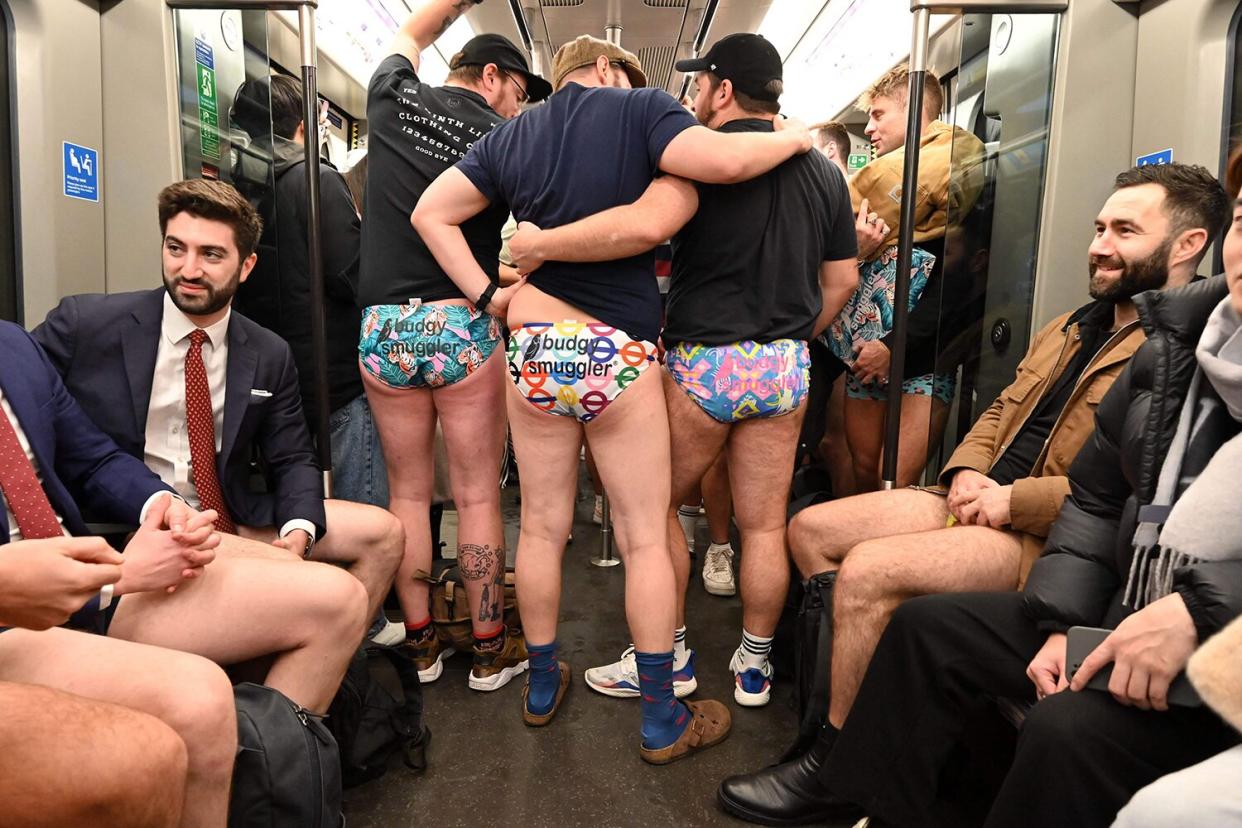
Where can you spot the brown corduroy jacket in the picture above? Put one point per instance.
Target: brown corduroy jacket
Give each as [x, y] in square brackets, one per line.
[1037, 499]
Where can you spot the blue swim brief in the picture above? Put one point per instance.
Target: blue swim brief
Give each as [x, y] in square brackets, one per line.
[425, 346]
[743, 380]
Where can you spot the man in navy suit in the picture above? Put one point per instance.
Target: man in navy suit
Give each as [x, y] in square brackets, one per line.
[67, 694]
[141, 364]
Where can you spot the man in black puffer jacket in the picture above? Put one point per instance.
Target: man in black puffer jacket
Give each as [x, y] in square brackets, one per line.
[1081, 755]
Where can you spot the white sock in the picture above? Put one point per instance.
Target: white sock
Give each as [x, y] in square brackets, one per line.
[679, 645]
[754, 651]
[688, 517]
[721, 547]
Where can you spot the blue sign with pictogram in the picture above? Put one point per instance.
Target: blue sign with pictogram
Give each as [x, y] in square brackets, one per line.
[81, 172]
[1163, 157]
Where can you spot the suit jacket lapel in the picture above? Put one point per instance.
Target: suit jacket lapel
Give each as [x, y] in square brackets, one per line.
[140, 341]
[239, 379]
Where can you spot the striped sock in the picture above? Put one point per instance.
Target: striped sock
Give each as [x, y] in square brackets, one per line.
[664, 718]
[545, 678]
[419, 631]
[679, 645]
[688, 517]
[755, 651]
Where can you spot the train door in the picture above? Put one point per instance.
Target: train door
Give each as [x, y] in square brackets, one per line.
[999, 96]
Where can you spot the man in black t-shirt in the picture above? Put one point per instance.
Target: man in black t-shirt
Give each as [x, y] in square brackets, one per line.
[761, 268]
[425, 353]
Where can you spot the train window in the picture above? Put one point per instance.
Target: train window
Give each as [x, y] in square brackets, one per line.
[1233, 91]
[1000, 99]
[10, 307]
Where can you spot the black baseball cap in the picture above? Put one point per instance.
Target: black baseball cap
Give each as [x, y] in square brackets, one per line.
[483, 49]
[749, 61]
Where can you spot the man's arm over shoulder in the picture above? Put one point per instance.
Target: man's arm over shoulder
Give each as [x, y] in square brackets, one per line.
[429, 20]
[977, 450]
[285, 444]
[702, 154]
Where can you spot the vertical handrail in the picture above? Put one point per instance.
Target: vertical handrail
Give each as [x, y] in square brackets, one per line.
[905, 244]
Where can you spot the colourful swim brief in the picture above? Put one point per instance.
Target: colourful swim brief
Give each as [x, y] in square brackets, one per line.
[743, 380]
[425, 346]
[575, 369]
[940, 386]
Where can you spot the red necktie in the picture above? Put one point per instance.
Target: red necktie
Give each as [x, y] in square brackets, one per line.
[31, 509]
[202, 425]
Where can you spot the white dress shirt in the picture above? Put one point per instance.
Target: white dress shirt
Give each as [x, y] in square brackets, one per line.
[167, 451]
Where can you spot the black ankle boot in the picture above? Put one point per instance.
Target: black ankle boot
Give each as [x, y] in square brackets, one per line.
[789, 794]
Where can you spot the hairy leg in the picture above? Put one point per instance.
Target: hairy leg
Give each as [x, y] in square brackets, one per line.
[309, 616]
[472, 417]
[546, 446]
[369, 541]
[696, 441]
[718, 499]
[187, 693]
[820, 536]
[878, 575]
[406, 420]
[630, 443]
[864, 436]
[761, 457]
[834, 448]
[922, 425]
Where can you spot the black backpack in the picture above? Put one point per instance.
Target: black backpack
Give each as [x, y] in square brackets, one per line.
[377, 712]
[813, 661]
[288, 772]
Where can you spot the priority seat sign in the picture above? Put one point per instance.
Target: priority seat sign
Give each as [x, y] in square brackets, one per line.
[81, 168]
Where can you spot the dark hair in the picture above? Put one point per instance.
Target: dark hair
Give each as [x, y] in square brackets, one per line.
[274, 101]
[836, 132]
[895, 84]
[214, 201]
[1233, 173]
[750, 104]
[1192, 196]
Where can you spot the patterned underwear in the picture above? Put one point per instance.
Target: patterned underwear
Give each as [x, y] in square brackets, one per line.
[575, 369]
[425, 346]
[940, 386]
[743, 380]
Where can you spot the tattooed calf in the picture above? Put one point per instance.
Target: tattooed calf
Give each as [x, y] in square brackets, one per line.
[478, 562]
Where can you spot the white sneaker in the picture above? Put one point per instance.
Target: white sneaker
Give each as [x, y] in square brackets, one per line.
[390, 634]
[718, 570]
[598, 516]
[620, 679]
[752, 686]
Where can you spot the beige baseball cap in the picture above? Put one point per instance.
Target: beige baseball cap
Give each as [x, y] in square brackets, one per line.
[584, 50]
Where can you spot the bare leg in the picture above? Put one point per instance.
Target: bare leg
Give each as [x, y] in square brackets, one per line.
[472, 417]
[761, 457]
[309, 616]
[864, 435]
[369, 541]
[922, 425]
[546, 446]
[189, 694]
[632, 434]
[717, 498]
[406, 421]
[62, 764]
[696, 440]
[820, 537]
[879, 574]
[834, 448]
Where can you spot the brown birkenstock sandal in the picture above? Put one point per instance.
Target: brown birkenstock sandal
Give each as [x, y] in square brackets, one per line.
[709, 726]
[533, 720]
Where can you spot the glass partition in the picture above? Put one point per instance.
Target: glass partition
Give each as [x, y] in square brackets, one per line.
[1001, 98]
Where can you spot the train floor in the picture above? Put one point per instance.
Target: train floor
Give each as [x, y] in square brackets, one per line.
[487, 768]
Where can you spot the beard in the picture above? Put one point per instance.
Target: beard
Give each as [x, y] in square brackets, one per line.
[705, 116]
[212, 298]
[1150, 273]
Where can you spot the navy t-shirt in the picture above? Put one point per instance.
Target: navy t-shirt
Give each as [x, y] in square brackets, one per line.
[584, 151]
[415, 132]
[746, 267]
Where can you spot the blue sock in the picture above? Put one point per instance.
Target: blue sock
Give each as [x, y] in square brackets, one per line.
[545, 677]
[664, 718]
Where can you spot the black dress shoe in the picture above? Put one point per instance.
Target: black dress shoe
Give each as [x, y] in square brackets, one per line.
[788, 794]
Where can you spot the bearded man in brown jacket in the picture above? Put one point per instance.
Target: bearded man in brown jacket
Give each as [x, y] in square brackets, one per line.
[1003, 487]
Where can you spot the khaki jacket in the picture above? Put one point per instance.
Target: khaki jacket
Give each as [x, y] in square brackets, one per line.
[1036, 500]
[950, 180]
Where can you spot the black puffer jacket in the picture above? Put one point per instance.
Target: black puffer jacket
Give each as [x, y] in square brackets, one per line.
[1080, 578]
